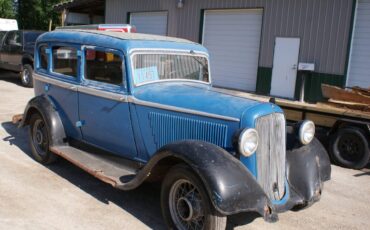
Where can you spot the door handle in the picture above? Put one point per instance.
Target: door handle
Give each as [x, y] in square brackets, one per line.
[294, 66]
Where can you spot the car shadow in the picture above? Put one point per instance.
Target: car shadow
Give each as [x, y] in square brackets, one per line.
[143, 202]
[11, 77]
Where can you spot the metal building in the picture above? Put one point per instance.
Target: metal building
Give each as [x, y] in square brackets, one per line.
[257, 45]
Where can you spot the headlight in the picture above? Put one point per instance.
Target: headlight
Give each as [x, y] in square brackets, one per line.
[306, 132]
[248, 142]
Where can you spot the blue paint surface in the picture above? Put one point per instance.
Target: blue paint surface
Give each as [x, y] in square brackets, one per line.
[137, 131]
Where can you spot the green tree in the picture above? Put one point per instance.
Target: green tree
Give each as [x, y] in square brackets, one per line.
[35, 14]
[6, 9]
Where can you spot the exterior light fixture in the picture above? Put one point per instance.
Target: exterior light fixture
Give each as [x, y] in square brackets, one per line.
[180, 4]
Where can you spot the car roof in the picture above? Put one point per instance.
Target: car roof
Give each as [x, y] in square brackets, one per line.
[126, 36]
[119, 40]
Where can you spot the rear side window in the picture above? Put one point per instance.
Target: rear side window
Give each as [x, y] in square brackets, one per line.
[43, 58]
[65, 61]
[103, 66]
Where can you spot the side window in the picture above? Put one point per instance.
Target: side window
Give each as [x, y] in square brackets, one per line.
[43, 58]
[65, 60]
[9, 38]
[103, 66]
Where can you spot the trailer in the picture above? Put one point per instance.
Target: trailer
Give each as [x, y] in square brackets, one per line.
[345, 132]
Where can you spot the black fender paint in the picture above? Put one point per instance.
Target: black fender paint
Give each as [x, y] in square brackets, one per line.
[233, 189]
[307, 168]
[230, 186]
[44, 105]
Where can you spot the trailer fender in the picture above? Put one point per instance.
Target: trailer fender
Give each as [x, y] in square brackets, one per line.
[45, 107]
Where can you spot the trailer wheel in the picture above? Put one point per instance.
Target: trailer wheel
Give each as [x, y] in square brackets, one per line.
[39, 140]
[26, 76]
[185, 203]
[349, 148]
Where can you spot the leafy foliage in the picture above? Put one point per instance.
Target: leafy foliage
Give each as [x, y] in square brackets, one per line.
[7, 9]
[35, 14]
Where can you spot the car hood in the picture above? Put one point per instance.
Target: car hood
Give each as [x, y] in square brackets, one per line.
[202, 98]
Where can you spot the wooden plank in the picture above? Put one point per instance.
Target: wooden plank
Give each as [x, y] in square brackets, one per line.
[321, 120]
[318, 107]
[336, 93]
[293, 115]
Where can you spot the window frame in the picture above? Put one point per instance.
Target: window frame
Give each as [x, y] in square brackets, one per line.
[99, 84]
[135, 52]
[38, 62]
[64, 76]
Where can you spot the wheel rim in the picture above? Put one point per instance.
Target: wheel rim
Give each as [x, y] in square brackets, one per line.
[351, 147]
[26, 76]
[186, 205]
[39, 137]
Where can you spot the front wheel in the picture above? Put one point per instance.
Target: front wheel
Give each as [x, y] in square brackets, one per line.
[349, 147]
[185, 203]
[26, 76]
[40, 141]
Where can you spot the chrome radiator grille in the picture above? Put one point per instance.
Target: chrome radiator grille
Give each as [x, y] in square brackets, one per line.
[271, 154]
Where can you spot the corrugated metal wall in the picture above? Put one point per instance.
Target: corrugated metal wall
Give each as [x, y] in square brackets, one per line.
[322, 25]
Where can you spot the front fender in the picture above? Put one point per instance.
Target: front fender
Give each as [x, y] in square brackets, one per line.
[45, 107]
[230, 186]
[307, 168]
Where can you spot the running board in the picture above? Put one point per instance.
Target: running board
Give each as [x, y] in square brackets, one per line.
[110, 169]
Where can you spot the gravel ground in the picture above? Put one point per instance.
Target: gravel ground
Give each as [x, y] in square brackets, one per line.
[62, 196]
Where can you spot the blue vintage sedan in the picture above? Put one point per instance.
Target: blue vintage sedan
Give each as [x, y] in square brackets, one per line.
[129, 108]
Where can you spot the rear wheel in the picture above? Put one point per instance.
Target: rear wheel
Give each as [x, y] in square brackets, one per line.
[39, 140]
[349, 147]
[185, 203]
[26, 76]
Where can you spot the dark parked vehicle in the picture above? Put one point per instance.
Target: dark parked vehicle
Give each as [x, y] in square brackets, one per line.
[16, 53]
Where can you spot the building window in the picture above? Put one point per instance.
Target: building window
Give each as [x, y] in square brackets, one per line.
[103, 66]
[65, 61]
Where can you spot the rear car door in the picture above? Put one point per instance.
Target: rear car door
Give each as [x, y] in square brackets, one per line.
[103, 107]
[57, 76]
[12, 54]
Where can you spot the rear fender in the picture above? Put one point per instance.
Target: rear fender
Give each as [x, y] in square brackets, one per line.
[45, 107]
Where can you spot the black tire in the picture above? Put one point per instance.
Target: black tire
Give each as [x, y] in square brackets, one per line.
[194, 207]
[26, 76]
[349, 148]
[39, 139]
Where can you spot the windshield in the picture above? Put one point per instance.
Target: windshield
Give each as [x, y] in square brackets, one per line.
[157, 67]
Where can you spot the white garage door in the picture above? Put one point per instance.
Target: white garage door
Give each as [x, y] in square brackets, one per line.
[150, 22]
[359, 68]
[233, 40]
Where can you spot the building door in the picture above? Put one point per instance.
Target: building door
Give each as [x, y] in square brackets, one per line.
[359, 65]
[150, 22]
[233, 40]
[284, 71]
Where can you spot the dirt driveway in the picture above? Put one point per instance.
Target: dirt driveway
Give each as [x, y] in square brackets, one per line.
[62, 196]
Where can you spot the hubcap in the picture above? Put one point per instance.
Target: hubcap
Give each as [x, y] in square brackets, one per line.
[351, 147]
[26, 76]
[39, 137]
[186, 205]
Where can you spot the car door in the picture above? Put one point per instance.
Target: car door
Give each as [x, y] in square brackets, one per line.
[5, 50]
[103, 108]
[59, 80]
[16, 48]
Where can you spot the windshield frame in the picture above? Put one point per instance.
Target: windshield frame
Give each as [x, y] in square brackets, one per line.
[193, 53]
